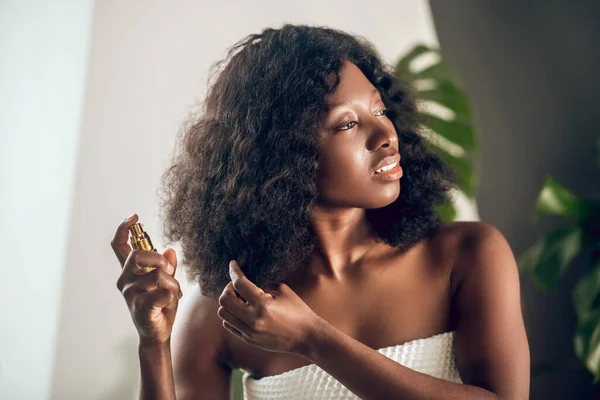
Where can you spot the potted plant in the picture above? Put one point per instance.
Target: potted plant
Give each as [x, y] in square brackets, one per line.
[550, 257]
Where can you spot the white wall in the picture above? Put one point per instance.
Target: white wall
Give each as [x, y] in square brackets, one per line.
[148, 66]
[43, 65]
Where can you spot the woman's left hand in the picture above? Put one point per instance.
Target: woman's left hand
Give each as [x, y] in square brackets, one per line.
[279, 322]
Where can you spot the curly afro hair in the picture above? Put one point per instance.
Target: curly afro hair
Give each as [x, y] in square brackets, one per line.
[244, 183]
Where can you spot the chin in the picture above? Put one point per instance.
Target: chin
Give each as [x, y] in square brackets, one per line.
[386, 198]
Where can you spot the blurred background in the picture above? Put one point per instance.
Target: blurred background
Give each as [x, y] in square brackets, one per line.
[93, 94]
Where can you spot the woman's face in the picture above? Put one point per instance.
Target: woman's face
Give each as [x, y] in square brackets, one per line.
[358, 136]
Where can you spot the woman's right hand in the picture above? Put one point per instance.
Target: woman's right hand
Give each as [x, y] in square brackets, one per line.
[152, 297]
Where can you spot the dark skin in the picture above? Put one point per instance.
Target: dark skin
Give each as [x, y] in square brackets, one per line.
[356, 295]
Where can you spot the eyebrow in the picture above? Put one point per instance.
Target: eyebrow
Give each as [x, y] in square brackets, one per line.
[336, 105]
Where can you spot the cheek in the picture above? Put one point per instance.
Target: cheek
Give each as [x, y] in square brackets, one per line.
[343, 172]
[348, 162]
[344, 180]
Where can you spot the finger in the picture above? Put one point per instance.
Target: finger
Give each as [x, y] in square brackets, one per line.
[119, 242]
[248, 290]
[232, 329]
[234, 304]
[153, 281]
[234, 321]
[171, 256]
[140, 262]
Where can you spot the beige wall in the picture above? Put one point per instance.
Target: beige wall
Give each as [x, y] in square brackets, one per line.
[43, 64]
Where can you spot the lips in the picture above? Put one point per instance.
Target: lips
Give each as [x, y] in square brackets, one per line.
[387, 161]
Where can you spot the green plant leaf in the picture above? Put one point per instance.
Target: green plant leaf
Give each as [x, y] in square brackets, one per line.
[555, 199]
[447, 212]
[450, 96]
[459, 130]
[403, 64]
[586, 294]
[558, 248]
[466, 179]
[439, 71]
[530, 257]
[587, 344]
[586, 301]
[456, 131]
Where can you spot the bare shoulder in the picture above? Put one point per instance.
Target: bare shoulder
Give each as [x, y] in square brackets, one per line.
[492, 350]
[468, 230]
[200, 350]
[471, 241]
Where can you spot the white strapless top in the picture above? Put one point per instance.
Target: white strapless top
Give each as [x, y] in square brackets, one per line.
[432, 356]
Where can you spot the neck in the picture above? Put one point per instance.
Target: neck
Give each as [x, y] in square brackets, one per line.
[344, 238]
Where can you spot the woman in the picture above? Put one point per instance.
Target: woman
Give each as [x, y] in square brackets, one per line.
[306, 170]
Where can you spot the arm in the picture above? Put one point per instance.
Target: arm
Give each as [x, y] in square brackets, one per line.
[492, 352]
[156, 373]
[148, 284]
[200, 370]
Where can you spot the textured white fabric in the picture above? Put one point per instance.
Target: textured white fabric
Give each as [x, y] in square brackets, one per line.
[433, 356]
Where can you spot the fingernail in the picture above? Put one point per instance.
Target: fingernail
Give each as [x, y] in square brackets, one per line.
[130, 217]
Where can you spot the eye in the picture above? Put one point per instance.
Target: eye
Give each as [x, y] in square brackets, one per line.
[350, 124]
[347, 126]
[382, 112]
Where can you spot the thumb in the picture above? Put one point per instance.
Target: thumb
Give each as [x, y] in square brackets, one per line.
[171, 256]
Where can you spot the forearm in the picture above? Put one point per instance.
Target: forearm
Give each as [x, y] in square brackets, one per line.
[371, 375]
[156, 372]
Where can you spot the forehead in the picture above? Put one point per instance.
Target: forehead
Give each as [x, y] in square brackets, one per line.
[353, 83]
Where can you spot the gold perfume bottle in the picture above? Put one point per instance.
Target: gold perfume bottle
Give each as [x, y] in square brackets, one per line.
[140, 240]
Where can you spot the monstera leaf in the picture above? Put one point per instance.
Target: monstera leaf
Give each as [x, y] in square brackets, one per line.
[449, 133]
[555, 199]
[551, 256]
[586, 299]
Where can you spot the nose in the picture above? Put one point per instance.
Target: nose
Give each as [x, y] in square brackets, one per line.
[382, 134]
